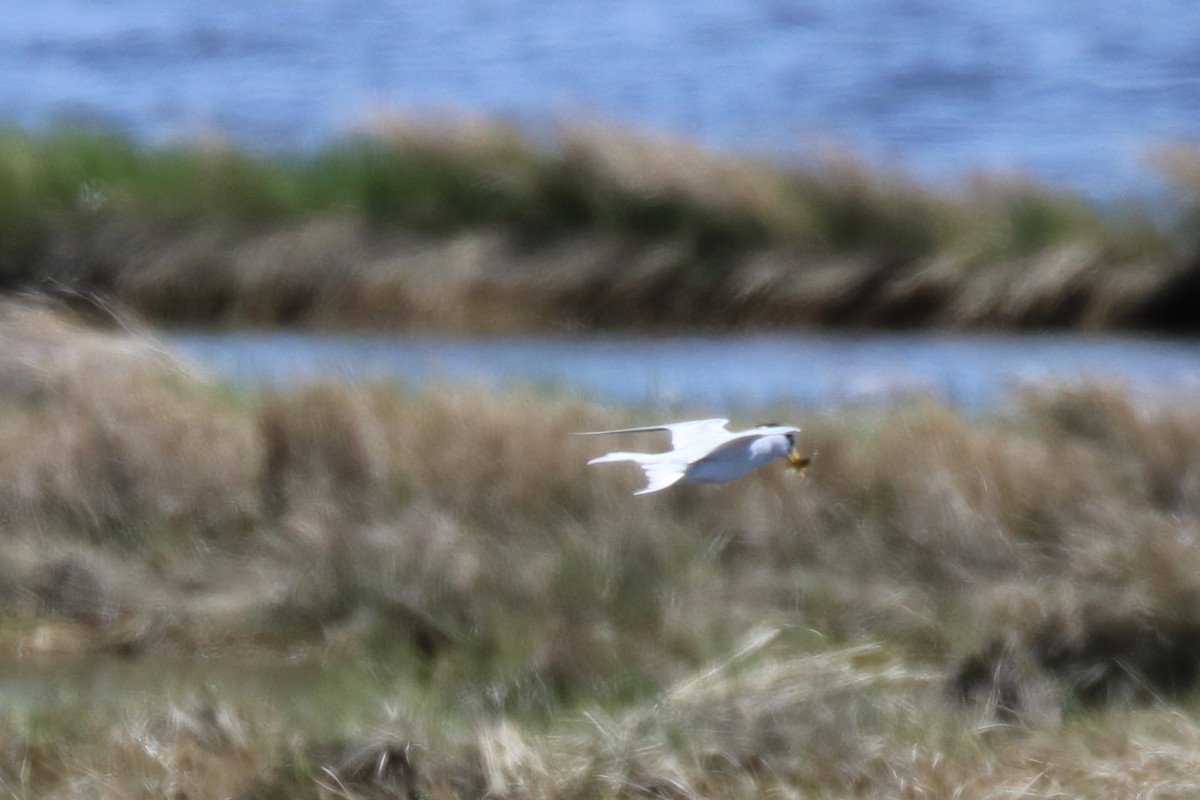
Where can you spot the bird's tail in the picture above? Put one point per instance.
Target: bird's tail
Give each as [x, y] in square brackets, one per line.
[659, 475]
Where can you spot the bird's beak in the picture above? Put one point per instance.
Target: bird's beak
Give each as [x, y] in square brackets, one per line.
[797, 462]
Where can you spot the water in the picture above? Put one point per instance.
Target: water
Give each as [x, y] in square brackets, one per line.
[722, 373]
[1070, 91]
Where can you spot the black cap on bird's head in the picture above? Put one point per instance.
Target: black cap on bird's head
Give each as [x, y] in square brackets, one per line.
[797, 461]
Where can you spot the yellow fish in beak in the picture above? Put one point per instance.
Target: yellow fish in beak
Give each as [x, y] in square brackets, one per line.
[797, 463]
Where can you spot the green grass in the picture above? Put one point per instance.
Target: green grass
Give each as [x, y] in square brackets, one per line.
[77, 170]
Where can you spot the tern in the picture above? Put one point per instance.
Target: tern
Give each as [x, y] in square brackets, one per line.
[704, 451]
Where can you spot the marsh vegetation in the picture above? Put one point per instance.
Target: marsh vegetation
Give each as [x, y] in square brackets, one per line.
[446, 602]
[474, 225]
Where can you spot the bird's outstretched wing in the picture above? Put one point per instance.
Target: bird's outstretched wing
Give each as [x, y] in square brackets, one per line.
[660, 476]
[683, 434]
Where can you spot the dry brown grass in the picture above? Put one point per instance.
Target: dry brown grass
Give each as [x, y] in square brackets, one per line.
[101, 430]
[948, 607]
[338, 271]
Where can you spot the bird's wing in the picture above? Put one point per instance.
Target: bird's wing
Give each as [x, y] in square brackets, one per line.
[683, 434]
[661, 475]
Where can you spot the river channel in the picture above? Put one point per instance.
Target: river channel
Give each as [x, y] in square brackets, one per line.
[726, 372]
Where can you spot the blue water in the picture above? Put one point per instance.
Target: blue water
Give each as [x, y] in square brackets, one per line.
[722, 373]
[1072, 92]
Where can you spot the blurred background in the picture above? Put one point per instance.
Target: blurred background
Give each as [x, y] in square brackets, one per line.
[1071, 93]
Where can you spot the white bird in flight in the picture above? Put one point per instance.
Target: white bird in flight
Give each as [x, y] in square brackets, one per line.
[703, 451]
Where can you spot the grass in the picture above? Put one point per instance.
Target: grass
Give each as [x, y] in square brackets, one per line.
[474, 225]
[360, 591]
